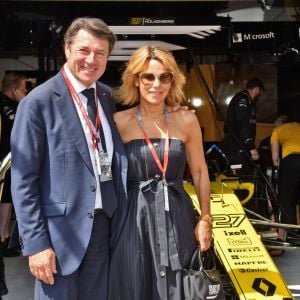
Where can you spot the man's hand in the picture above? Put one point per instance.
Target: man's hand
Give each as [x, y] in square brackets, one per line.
[178, 107]
[43, 265]
[254, 154]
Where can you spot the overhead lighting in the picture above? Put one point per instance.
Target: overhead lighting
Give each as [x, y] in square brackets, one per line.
[156, 30]
[123, 49]
[210, 31]
[203, 33]
[197, 102]
[196, 35]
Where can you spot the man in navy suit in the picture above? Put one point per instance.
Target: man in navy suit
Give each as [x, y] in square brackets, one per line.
[68, 179]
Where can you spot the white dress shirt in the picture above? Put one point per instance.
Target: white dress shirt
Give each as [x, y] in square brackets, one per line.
[79, 87]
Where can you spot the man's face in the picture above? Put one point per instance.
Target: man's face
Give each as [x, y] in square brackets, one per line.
[20, 92]
[258, 93]
[87, 57]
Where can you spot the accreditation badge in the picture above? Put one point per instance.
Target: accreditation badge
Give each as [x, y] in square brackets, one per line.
[105, 167]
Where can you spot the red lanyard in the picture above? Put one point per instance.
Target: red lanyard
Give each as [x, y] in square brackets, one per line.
[92, 129]
[163, 168]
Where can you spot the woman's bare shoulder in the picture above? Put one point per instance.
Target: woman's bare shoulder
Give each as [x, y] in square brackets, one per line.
[124, 115]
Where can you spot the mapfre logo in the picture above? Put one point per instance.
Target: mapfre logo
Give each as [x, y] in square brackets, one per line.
[243, 37]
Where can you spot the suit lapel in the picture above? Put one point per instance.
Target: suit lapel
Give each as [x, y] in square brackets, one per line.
[105, 101]
[71, 120]
[119, 156]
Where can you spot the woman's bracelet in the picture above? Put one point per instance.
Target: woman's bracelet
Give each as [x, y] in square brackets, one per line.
[206, 218]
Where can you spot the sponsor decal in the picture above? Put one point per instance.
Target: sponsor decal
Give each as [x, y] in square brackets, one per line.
[264, 286]
[243, 37]
[151, 21]
[240, 232]
[239, 242]
[243, 250]
[136, 21]
[246, 256]
[249, 270]
[247, 263]
[237, 38]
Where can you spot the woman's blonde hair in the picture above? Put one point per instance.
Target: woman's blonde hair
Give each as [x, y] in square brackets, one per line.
[128, 92]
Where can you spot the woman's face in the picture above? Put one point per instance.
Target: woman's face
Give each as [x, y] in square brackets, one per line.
[154, 83]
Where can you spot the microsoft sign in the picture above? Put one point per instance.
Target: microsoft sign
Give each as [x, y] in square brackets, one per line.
[241, 37]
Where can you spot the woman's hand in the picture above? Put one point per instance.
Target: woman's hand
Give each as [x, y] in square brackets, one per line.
[203, 234]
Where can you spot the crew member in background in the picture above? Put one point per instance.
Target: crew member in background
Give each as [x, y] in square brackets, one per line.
[240, 127]
[285, 146]
[13, 90]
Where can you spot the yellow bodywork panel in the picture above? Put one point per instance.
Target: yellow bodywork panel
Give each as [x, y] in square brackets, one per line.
[247, 262]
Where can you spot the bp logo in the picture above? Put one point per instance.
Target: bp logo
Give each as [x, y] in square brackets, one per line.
[264, 287]
[237, 38]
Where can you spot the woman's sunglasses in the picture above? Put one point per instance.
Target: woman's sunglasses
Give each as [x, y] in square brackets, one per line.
[164, 78]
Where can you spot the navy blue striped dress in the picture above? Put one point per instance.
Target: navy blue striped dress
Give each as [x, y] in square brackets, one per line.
[155, 244]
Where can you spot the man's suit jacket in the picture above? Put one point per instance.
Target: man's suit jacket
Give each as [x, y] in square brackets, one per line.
[53, 183]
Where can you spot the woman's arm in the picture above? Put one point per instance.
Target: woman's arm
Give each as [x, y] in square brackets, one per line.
[199, 172]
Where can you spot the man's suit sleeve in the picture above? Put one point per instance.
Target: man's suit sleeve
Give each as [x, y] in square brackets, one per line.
[28, 145]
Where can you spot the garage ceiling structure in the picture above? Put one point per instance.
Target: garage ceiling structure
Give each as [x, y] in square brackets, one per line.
[35, 24]
[208, 27]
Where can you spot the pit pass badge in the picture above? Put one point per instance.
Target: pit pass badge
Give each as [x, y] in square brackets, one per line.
[103, 166]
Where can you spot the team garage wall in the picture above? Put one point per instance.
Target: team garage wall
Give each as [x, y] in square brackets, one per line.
[224, 80]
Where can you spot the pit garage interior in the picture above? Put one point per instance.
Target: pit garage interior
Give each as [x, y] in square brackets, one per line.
[218, 44]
